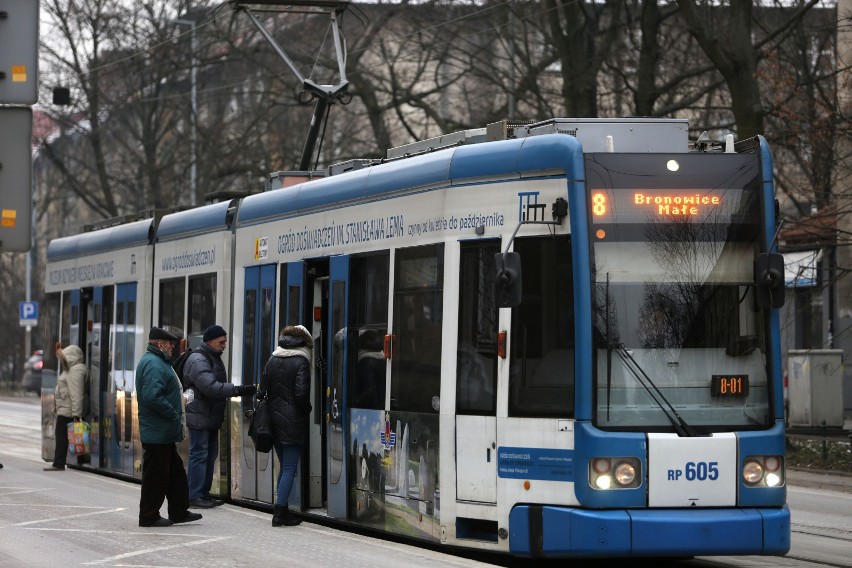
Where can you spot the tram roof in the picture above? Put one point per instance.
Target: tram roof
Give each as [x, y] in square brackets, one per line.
[119, 236]
[201, 220]
[506, 159]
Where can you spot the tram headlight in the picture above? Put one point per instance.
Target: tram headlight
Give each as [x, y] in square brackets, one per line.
[625, 473]
[615, 473]
[763, 471]
[752, 472]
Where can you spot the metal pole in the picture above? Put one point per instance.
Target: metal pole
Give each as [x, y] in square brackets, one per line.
[194, 133]
[193, 171]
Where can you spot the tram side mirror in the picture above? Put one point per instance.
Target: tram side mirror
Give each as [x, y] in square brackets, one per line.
[769, 280]
[507, 282]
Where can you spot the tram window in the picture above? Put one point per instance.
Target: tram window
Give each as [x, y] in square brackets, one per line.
[249, 309]
[172, 304]
[67, 314]
[294, 296]
[418, 304]
[202, 307]
[288, 312]
[130, 335]
[541, 379]
[368, 316]
[51, 326]
[476, 371]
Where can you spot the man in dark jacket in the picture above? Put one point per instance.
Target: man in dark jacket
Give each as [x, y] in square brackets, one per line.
[161, 422]
[205, 374]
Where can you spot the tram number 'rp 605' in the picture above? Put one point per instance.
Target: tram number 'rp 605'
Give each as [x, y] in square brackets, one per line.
[696, 471]
[729, 386]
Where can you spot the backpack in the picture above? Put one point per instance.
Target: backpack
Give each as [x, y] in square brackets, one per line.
[180, 363]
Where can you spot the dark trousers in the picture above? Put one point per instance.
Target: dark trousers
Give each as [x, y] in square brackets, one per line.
[60, 454]
[163, 477]
[203, 452]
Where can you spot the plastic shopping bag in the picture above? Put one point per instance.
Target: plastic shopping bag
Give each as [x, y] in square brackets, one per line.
[79, 438]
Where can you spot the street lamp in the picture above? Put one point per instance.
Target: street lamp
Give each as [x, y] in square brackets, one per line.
[193, 175]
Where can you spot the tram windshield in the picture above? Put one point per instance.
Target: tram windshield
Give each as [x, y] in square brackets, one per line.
[679, 340]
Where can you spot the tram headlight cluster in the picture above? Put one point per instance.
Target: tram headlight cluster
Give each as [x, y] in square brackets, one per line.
[763, 471]
[615, 473]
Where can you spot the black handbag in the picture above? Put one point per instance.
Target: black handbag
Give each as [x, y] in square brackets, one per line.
[260, 427]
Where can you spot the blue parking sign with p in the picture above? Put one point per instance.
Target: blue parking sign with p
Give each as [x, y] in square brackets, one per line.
[28, 313]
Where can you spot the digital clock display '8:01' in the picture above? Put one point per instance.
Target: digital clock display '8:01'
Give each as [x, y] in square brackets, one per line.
[729, 386]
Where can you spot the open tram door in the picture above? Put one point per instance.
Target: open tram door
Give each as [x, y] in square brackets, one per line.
[335, 407]
[73, 330]
[325, 293]
[99, 373]
[307, 484]
[259, 337]
[121, 451]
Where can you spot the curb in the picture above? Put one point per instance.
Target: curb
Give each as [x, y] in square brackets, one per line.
[832, 481]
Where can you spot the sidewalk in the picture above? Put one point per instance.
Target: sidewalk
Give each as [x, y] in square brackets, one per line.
[832, 481]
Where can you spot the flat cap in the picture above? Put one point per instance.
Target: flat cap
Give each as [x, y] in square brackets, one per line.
[162, 334]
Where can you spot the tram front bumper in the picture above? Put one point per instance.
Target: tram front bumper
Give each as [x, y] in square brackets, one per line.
[544, 531]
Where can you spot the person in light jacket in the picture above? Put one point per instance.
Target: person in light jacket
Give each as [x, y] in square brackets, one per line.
[286, 382]
[70, 399]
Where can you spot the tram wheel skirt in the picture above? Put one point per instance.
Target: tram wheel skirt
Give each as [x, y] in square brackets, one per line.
[543, 531]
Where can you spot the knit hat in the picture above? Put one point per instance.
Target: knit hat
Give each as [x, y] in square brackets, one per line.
[213, 332]
[161, 334]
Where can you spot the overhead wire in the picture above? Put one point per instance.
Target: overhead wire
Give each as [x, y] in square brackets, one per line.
[150, 49]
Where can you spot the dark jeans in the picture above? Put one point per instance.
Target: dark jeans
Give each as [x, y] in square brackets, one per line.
[163, 477]
[288, 457]
[60, 454]
[203, 451]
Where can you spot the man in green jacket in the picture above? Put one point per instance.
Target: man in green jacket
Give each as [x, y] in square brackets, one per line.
[161, 427]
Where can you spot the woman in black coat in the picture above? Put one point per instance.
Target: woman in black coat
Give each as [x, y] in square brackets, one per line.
[286, 382]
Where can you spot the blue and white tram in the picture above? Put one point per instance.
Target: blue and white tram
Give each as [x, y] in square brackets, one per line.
[551, 346]
[104, 290]
[97, 296]
[191, 286]
[564, 344]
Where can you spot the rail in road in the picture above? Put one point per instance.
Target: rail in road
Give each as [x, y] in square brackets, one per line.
[77, 518]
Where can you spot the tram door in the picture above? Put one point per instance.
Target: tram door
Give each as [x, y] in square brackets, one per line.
[117, 390]
[99, 370]
[313, 466]
[292, 313]
[257, 468]
[82, 312]
[476, 374]
[335, 403]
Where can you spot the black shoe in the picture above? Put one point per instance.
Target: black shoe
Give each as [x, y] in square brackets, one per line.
[216, 502]
[188, 518]
[282, 516]
[54, 468]
[201, 503]
[161, 522]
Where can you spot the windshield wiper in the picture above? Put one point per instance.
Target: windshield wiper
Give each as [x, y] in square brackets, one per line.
[681, 427]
